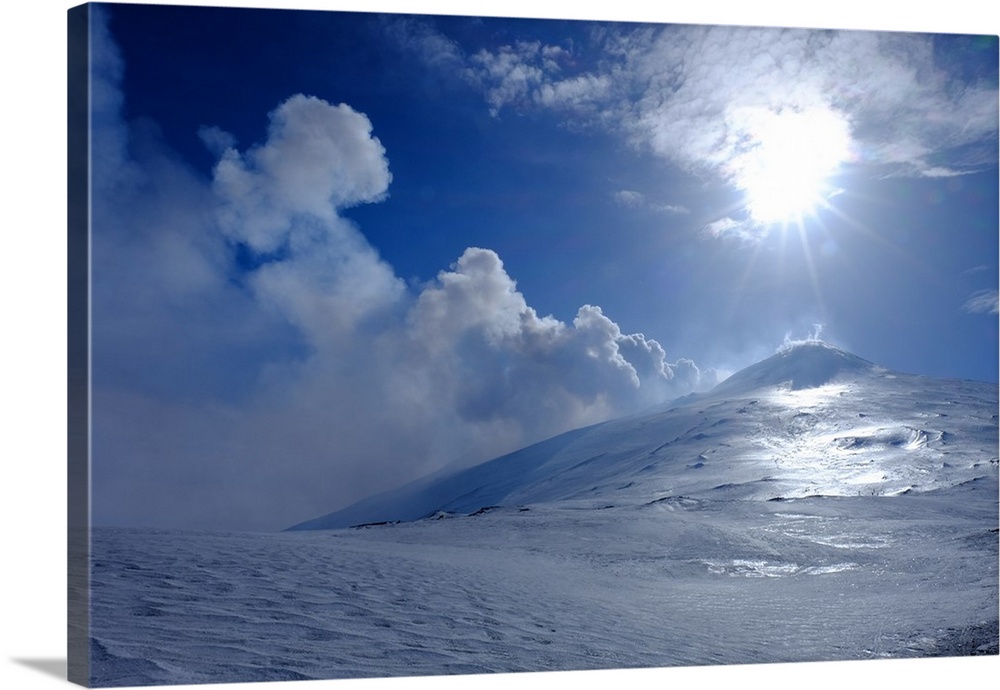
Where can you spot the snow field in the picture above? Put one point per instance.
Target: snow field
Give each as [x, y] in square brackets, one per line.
[551, 588]
[812, 507]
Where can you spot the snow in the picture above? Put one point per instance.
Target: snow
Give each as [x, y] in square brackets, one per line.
[807, 364]
[760, 434]
[855, 517]
[553, 588]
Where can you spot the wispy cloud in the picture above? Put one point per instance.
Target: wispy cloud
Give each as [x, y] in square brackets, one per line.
[743, 231]
[671, 208]
[629, 198]
[420, 39]
[632, 199]
[814, 336]
[683, 91]
[945, 172]
[983, 302]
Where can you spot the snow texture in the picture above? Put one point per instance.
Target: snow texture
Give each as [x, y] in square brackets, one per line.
[812, 507]
[811, 420]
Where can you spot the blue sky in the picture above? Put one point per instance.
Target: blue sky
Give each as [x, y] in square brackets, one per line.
[333, 252]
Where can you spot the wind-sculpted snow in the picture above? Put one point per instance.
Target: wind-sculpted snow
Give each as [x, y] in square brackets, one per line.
[572, 585]
[763, 522]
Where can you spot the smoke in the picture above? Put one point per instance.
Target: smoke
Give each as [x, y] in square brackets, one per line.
[814, 336]
[257, 363]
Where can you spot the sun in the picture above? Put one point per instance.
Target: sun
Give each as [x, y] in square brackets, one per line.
[785, 160]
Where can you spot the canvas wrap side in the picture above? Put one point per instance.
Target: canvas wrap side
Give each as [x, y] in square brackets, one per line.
[78, 346]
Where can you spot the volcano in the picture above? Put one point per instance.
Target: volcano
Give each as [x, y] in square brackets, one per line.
[810, 421]
[812, 507]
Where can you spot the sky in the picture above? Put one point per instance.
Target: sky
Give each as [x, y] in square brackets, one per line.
[333, 252]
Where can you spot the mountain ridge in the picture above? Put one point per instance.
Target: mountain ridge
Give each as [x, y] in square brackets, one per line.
[806, 364]
[810, 420]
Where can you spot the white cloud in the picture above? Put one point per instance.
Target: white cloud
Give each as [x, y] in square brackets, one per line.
[629, 198]
[216, 140]
[318, 158]
[579, 92]
[506, 364]
[814, 336]
[257, 392]
[683, 91]
[744, 231]
[944, 172]
[983, 302]
[420, 39]
[633, 199]
[902, 108]
[509, 75]
[671, 208]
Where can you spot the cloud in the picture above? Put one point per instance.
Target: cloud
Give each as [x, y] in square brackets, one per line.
[419, 39]
[983, 302]
[318, 158]
[944, 172]
[632, 199]
[744, 231]
[684, 92]
[902, 107]
[504, 364]
[257, 363]
[521, 74]
[579, 92]
[216, 140]
[629, 198]
[814, 336]
[529, 74]
[671, 208]
[106, 101]
[511, 74]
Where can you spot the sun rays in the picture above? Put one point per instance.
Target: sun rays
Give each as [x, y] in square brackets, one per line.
[784, 163]
[785, 159]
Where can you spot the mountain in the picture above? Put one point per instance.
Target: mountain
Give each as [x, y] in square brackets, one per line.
[812, 420]
[807, 364]
[813, 507]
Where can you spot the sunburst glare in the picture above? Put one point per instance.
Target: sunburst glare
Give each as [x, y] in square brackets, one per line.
[786, 159]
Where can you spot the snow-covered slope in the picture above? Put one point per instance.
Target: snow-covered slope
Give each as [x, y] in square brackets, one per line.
[812, 507]
[812, 420]
[805, 365]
